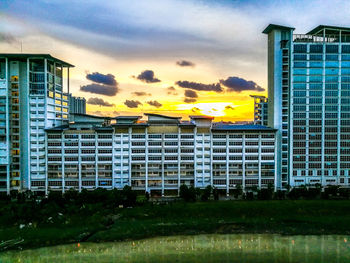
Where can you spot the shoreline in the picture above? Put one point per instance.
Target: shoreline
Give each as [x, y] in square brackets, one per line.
[302, 217]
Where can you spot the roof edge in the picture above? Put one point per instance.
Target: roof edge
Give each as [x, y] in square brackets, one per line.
[271, 27]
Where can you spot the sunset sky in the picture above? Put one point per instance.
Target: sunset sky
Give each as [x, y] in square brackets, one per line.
[172, 57]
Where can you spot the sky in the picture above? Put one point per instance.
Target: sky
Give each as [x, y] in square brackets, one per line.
[172, 57]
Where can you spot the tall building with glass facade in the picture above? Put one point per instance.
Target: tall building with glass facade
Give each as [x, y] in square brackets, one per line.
[31, 99]
[309, 103]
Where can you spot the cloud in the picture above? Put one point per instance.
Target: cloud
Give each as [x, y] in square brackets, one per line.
[100, 89]
[108, 79]
[99, 102]
[191, 94]
[185, 63]
[172, 91]
[228, 107]
[132, 103]
[8, 38]
[238, 84]
[195, 109]
[188, 100]
[199, 86]
[147, 76]
[141, 93]
[154, 103]
[103, 84]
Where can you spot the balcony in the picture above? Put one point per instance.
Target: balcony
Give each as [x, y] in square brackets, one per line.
[320, 39]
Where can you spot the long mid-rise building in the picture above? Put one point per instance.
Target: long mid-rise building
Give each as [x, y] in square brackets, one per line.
[158, 155]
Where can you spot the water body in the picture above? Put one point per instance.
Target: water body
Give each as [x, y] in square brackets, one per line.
[250, 248]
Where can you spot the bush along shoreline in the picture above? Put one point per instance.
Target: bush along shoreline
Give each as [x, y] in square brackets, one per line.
[29, 220]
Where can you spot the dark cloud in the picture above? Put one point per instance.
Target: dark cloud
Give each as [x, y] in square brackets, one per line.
[228, 107]
[108, 79]
[195, 109]
[172, 91]
[238, 84]
[189, 100]
[103, 84]
[132, 103]
[191, 94]
[141, 93]
[8, 38]
[99, 102]
[199, 86]
[185, 63]
[148, 77]
[155, 103]
[100, 89]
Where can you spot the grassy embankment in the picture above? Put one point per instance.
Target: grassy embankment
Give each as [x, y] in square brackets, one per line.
[97, 223]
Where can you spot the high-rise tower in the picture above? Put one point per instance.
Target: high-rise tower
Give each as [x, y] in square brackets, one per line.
[32, 99]
[309, 98]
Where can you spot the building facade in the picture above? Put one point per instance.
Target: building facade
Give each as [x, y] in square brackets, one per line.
[43, 146]
[31, 99]
[260, 110]
[309, 103]
[159, 155]
[77, 104]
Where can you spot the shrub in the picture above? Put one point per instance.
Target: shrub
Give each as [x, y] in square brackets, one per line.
[206, 193]
[188, 194]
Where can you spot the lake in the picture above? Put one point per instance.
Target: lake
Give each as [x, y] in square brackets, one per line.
[250, 248]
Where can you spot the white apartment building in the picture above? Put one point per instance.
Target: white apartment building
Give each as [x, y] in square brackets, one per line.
[31, 99]
[158, 155]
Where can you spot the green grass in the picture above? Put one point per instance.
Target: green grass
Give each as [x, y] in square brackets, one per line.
[283, 217]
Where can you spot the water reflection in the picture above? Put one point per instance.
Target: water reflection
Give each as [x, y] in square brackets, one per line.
[250, 248]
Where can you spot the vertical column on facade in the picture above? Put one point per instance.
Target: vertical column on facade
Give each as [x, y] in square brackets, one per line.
[113, 159]
[46, 173]
[211, 159]
[121, 159]
[146, 159]
[290, 124]
[243, 162]
[227, 166]
[195, 156]
[339, 111]
[203, 158]
[307, 117]
[323, 108]
[129, 163]
[29, 132]
[45, 107]
[79, 160]
[277, 176]
[96, 158]
[62, 161]
[162, 163]
[259, 162]
[7, 128]
[178, 160]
